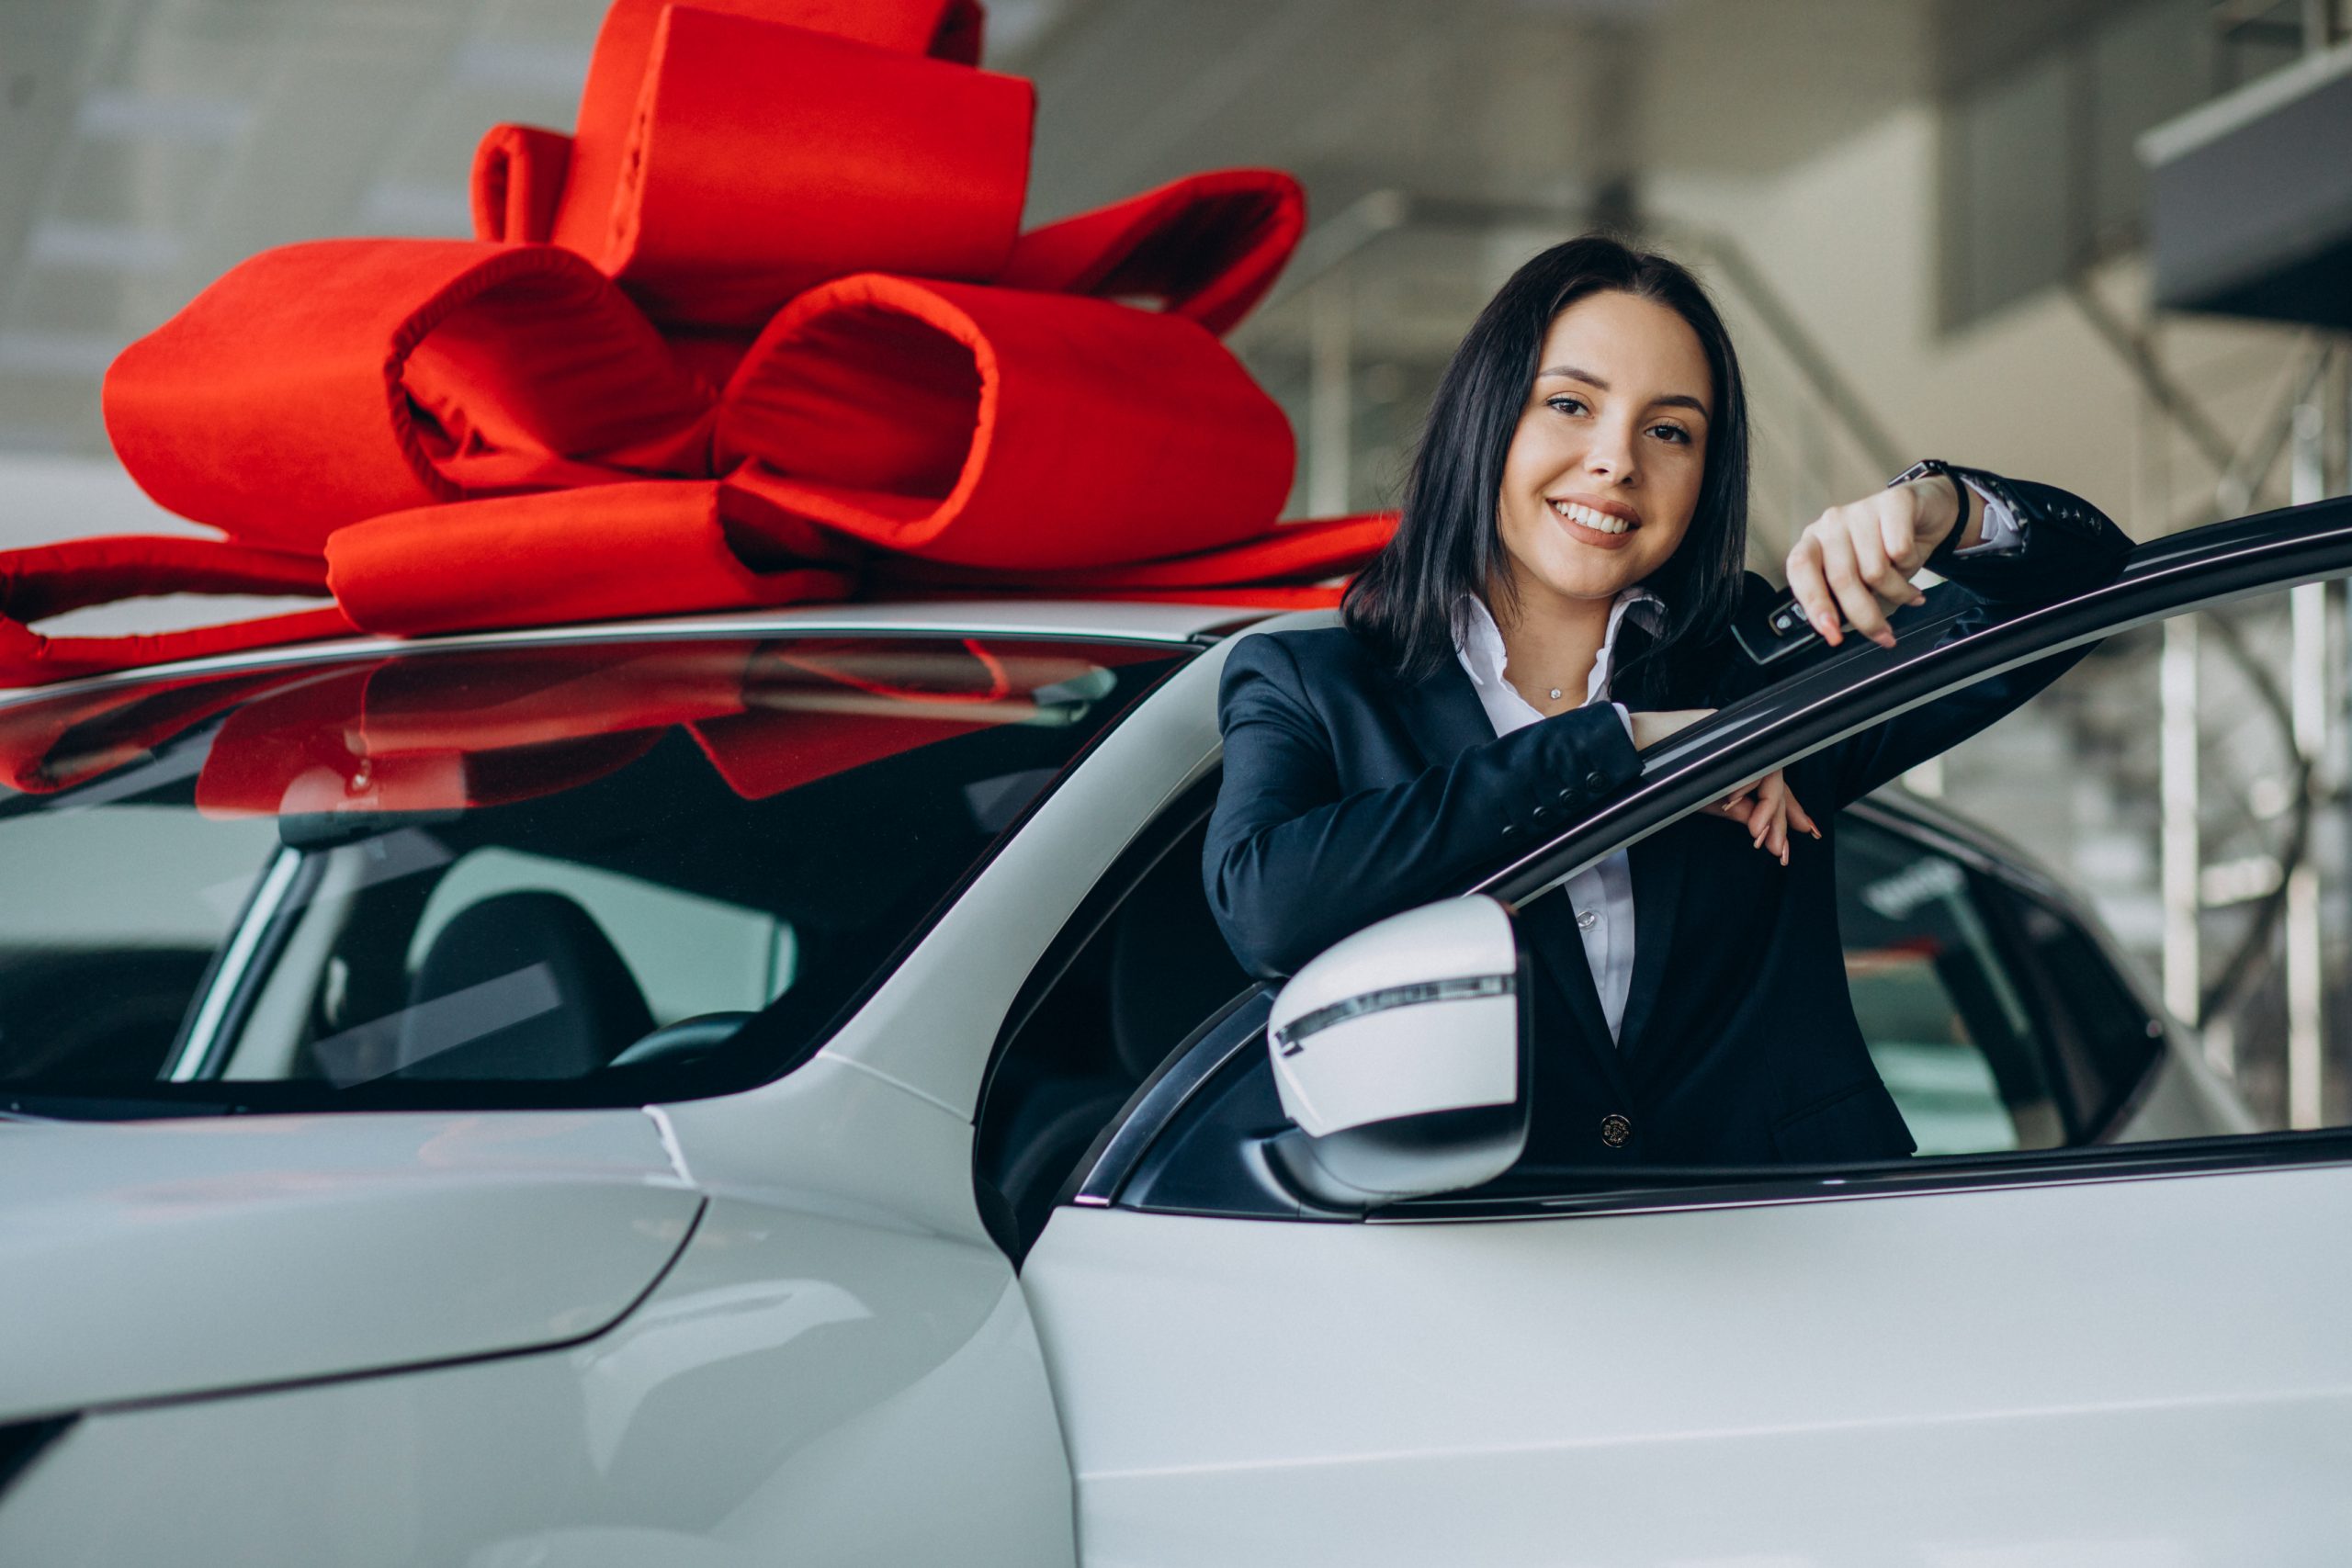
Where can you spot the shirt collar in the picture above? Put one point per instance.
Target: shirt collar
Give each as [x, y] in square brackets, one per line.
[1479, 641]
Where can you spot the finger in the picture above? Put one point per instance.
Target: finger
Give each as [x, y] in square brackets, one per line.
[1775, 798]
[1811, 590]
[1872, 559]
[1854, 597]
[1899, 532]
[1764, 816]
[1798, 816]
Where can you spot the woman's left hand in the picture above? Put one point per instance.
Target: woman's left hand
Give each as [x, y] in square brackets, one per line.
[1857, 559]
[1766, 809]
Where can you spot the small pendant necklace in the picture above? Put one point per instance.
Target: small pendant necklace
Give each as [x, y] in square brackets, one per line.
[1556, 693]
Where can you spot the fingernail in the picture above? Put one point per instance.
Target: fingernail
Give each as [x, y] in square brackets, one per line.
[1815, 831]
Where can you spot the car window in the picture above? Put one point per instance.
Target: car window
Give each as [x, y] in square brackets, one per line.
[515, 877]
[93, 988]
[1133, 973]
[1947, 1021]
[2008, 910]
[2189, 869]
[2106, 1035]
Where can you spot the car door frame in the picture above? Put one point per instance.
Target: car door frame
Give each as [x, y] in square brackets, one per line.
[1840, 695]
[1458, 1378]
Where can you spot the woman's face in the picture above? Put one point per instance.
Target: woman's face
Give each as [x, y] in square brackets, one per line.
[1603, 472]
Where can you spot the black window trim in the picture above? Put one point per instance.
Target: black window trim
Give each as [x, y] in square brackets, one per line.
[2193, 571]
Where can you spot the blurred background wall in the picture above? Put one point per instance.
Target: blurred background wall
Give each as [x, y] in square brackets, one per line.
[1927, 220]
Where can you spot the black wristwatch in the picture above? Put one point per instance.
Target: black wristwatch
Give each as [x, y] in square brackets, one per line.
[1991, 487]
[1936, 467]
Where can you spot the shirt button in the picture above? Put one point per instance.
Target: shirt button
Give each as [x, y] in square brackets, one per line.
[1614, 1130]
[1587, 920]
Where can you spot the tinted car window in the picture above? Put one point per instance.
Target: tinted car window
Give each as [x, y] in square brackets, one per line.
[1946, 1018]
[573, 875]
[2107, 1040]
[1138, 969]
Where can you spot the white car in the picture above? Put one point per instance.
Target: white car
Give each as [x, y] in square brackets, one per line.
[767, 1088]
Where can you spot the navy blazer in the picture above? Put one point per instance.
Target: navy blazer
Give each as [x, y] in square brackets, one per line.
[1349, 794]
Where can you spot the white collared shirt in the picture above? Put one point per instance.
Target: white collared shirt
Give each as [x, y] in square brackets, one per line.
[1602, 893]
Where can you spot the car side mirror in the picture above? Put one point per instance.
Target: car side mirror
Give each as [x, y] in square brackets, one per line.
[1401, 1054]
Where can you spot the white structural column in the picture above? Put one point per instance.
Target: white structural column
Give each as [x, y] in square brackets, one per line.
[2176, 682]
[1330, 395]
[2307, 696]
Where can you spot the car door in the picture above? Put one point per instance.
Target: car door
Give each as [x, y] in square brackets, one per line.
[2112, 1353]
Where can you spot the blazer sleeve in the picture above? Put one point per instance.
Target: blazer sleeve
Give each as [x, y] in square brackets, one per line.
[1293, 863]
[2067, 545]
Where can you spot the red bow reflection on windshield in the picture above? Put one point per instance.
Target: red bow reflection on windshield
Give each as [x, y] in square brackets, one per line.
[460, 731]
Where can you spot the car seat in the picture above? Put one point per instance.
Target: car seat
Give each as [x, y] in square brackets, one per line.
[1164, 968]
[523, 985]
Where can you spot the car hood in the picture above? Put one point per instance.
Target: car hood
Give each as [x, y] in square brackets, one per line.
[151, 1259]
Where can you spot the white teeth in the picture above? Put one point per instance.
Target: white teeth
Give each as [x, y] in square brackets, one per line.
[1598, 521]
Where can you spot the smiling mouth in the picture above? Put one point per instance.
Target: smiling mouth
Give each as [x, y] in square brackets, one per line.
[1588, 517]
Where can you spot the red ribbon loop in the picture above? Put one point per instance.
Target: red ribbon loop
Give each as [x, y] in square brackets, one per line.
[991, 427]
[626, 549]
[319, 384]
[763, 159]
[518, 181]
[1207, 246]
[52, 580]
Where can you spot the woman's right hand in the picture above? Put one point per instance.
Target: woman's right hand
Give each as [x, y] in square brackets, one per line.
[1766, 809]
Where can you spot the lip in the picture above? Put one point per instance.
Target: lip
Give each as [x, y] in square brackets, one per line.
[1594, 536]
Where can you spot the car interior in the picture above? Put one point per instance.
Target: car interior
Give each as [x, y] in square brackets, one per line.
[1996, 1021]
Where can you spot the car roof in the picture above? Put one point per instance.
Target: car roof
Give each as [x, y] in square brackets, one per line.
[1097, 619]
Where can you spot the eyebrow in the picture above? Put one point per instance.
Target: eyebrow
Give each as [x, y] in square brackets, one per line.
[1573, 373]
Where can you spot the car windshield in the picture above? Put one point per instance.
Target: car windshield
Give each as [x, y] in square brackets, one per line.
[516, 876]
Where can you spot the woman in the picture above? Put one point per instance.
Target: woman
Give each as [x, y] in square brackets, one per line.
[1575, 529]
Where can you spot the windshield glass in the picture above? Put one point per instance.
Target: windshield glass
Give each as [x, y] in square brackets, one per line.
[521, 876]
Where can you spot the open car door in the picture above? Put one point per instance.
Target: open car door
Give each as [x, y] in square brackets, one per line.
[2121, 1347]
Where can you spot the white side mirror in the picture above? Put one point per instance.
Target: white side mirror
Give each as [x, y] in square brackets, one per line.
[1401, 1055]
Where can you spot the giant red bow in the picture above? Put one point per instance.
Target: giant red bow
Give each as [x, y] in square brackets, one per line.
[764, 327]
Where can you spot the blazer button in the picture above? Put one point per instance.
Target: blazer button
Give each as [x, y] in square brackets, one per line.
[1541, 812]
[1615, 1129]
[1566, 795]
[1596, 780]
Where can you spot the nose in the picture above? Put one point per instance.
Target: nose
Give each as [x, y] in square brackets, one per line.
[1610, 458]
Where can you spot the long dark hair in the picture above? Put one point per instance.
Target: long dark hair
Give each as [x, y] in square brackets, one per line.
[1446, 544]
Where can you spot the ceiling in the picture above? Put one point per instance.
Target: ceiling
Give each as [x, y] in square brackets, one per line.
[152, 143]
